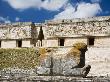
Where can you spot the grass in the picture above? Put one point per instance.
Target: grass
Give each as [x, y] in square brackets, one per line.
[25, 58]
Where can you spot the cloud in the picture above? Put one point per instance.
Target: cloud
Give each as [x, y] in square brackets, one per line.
[82, 10]
[51, 5]
[4, 20]
[87, 10]
[67, 13]
[17, 19]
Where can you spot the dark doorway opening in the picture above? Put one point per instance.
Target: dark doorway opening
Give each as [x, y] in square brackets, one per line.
[61, 42]
[19, 43]
[0, 44]
[91, 41]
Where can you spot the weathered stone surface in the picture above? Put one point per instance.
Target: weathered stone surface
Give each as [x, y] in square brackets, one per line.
[71, 63]
[99, 59]
[56, 79]
[15, 32]
[43, 71]
[69, 28]
[16, 72]
[54, 30]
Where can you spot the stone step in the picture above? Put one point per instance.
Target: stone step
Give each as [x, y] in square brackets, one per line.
[56, 79]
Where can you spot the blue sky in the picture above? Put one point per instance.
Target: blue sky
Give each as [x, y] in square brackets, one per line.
[41, 10]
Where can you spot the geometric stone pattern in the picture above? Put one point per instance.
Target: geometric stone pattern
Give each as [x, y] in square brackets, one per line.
[15, 32]
[97, 26]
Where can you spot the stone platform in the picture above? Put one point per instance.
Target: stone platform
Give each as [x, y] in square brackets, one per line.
[55, 79]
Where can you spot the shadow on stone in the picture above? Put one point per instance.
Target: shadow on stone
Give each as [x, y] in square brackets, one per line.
[72, 63]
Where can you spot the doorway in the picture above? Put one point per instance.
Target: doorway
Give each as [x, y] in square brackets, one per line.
[61, 42]
[0, 44]
[19, 43]
[91, 41]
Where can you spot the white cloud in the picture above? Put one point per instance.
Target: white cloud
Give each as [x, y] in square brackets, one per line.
[87, 10]
[83, 10]
[67, 13]
[24, 4]
[53, 4]
[4, 20]
[17, 19]
[46, 4]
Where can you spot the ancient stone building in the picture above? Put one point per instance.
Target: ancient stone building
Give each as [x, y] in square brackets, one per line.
[92, 31]
[95, 32]
[17, 35]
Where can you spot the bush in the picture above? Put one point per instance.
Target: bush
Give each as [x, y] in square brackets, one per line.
[80, 46]
[25, 58]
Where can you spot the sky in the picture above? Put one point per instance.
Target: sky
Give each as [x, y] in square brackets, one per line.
[41, 10]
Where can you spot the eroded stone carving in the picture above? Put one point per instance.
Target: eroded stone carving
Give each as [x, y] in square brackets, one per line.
[87, 28]
[15, 32]
[71, 63]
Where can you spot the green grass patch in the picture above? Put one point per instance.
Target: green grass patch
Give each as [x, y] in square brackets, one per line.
[25, 58]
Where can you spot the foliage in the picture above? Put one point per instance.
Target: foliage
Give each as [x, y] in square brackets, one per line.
[80, 46]
[74, 52]
[41, 35]
[21, 58]
[42, 50]
[44, 53]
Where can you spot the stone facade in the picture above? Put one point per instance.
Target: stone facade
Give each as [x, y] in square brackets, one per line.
[18, 35]
[95, 32]
[26, 43]
[92, 31]
[8, 44]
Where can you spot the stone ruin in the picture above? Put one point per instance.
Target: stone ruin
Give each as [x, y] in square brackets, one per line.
[52, 63]
[94, 32]
[72, 63]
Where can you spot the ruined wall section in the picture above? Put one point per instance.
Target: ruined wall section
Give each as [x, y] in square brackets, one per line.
[71, 41]
[99, 59]
[99, 26]
[15, 31]
[102, 41]
[11, 34]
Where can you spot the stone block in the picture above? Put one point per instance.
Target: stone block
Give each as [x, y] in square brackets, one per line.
[71, 63]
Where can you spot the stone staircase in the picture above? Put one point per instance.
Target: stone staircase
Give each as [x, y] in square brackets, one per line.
[56, 79]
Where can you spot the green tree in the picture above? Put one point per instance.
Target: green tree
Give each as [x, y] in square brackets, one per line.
[41, 35]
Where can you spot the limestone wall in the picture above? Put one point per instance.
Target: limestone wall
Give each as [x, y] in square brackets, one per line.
[99, 59]
[26, 43]
[71, 41]
[14, 44]
[50, 43]
[18, 32]
[98, 41]
[86, 27]
[71, 30]
[8, 44]
[102, 41]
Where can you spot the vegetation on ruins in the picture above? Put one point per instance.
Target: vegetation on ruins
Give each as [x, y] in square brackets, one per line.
[28, 57]
[80, 45]
[25, 58]
[42, 53]
[41, 35]
[76, 51]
